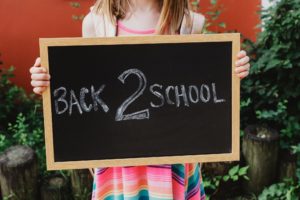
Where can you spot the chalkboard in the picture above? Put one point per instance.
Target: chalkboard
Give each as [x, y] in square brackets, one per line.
[129, 101]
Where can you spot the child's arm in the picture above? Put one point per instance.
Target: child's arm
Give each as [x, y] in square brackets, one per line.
[40, 78]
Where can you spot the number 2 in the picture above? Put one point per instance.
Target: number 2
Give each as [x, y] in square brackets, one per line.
[142, 114]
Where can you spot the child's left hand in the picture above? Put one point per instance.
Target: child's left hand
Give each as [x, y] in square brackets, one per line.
[242, 64]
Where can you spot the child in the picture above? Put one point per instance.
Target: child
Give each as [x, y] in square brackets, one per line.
[142, 17]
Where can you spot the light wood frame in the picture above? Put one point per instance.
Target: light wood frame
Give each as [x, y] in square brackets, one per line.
[235, 151]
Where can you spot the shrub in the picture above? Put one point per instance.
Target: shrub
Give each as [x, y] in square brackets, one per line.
[21, 120]
[14, 100]
[271, 94]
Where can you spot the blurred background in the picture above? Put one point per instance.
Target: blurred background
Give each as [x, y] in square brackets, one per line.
[270, 100]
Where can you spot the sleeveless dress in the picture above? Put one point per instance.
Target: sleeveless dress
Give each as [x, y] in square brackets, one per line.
[152, 182]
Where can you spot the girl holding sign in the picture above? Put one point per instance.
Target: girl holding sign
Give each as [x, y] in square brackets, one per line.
[143, 17]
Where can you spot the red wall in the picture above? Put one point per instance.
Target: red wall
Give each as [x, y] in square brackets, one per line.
[239, 15]
[24, 22]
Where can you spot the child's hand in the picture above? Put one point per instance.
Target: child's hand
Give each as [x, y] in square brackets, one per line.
[40, 78]
[242, 64]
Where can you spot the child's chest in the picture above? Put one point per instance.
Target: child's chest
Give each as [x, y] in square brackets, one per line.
[138, 24]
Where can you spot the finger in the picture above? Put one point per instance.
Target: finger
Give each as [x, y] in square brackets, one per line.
[37, 70]
[40, 83]
[242, 68]
[39, 90]
[242, 61]
[241, 54]
[37, 62]
[243, 74]
[40, 77]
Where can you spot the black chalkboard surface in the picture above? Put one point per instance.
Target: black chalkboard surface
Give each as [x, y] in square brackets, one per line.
[141, 100]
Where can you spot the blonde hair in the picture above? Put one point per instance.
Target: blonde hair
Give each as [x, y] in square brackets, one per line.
[172, 13]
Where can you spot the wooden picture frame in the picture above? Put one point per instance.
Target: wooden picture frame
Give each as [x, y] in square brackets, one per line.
[235, 151]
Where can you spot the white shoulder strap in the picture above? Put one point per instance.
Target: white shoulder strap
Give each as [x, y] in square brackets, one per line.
[103, 26]
[196, 25]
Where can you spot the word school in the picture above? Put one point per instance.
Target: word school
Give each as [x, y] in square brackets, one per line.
[67, 101]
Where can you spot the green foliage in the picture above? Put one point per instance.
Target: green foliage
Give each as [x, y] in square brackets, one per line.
[14, 100]
[273, 88]
[214, 11]
[287, 190]
[11, 196]
[271, 93]
[236, 172]
[76, 5]
[195, 4]
[21, 120]
[21, 133]
[296, 149]
[212, 183]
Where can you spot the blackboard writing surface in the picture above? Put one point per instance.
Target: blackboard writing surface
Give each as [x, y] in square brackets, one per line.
[140, 100]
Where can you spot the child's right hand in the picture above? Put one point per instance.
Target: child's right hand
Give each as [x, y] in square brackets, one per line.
[40, 78]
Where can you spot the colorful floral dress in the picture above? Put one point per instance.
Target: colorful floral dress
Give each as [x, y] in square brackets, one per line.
[179, 182]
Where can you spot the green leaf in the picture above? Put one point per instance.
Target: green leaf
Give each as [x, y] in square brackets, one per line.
[222, 24]
[234, 170]
[243, 170]
[235, 177]
[226, 178]
[213, 2]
